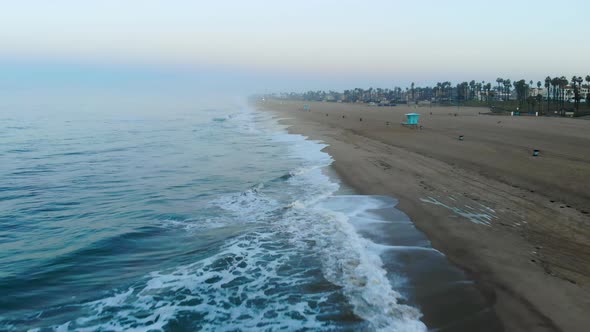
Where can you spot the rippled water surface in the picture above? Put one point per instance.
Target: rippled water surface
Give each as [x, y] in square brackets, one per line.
[194, 219]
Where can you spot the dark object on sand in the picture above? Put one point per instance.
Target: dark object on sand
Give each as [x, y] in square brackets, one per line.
[461, 137]
[535, 153]
[326, 114]
[361, 119]
[387, 123]
[344, 116]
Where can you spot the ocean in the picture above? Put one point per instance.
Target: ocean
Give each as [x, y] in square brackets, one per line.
[193, 218]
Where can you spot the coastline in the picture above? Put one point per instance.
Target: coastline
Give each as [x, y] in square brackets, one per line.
[495, 220]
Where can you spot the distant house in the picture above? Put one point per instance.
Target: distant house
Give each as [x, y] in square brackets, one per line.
[533, 92]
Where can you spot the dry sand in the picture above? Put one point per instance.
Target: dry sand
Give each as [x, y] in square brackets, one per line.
[519, 225]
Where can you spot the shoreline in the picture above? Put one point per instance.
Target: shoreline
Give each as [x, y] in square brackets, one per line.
[509, 248]
[470, 310]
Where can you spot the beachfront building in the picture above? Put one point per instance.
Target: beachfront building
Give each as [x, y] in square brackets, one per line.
[533, 92]
[570, 95]
[480, 95]
[567, 93]
[330, 98]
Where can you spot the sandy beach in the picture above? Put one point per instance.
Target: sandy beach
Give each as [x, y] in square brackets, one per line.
[518, 225]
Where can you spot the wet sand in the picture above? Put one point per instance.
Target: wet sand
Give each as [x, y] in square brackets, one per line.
[447, 299]
[518, 225]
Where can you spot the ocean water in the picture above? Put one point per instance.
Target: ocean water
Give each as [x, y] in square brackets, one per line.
[211, 219]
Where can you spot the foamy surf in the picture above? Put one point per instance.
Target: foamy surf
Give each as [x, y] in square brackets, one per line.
[320, 225]
[294, 257]
[349, 261]
[225, 292]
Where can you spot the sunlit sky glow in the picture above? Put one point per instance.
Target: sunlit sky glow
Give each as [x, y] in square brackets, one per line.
[323, 43]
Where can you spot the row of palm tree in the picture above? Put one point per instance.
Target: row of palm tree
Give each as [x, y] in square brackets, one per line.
[558, 91]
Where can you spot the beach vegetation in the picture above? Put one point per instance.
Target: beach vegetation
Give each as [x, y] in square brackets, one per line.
[553, 96]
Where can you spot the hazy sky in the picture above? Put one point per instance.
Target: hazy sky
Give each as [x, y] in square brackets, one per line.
[320, 43]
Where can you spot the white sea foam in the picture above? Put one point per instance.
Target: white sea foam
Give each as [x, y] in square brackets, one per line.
[256, 281]
[228, 291]
[353, 263]
[251, 205]
[347, 258]
[192, 225]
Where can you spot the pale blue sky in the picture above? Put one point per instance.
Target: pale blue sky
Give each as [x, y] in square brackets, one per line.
[319, 43]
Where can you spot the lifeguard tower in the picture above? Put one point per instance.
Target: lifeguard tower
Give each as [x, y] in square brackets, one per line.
[412, 120]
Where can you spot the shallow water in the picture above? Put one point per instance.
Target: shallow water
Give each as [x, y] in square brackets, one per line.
[204, 219]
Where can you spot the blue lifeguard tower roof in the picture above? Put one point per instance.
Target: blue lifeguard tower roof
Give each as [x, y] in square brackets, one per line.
[413, 118]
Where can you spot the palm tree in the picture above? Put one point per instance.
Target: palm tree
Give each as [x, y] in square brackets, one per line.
[347, 96]
[555, 84]
[477, 91]
[580, 80]
[449, 90]
[577, 84]
[368, 96]
[547, 86]
[537, 94]
[562, 81]
[520, 87]
[500, 82]
[507, 84]
[576, 91]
